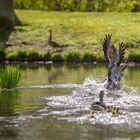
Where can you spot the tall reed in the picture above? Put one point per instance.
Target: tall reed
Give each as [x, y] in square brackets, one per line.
[9, 77]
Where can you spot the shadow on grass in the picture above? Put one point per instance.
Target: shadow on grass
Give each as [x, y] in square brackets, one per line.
[6, 27]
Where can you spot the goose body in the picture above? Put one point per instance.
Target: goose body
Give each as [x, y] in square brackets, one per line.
[99, 105]
[51, 42]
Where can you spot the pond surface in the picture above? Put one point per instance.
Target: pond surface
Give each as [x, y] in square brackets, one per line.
[52, 102]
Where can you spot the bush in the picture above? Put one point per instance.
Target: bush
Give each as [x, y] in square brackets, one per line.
[9, 77]
[89, 57]
[11, 56]
[47, 56]
[134, 56]
[100, 57]
[73, 57]
[22, 55]
[57, 57]
[33, 55]
[2, 54]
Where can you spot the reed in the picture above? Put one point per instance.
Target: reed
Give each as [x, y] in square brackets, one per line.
[9, 77]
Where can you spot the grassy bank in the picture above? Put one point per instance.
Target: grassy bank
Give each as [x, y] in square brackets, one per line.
[79, 31]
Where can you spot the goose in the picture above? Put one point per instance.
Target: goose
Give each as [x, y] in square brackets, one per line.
[116, 62]
[99, 105]
[52, 42]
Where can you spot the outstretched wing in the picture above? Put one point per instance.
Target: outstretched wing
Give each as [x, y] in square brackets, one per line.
[113, 54]
[106, 46]
[121, 53]
[110, 51]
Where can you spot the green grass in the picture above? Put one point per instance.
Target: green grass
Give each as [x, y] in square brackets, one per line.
[79, 31]
[9, 77]
[89, 57]
[134, 56]
[73, 57]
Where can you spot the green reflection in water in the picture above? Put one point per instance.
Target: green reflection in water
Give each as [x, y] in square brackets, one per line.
[55, 74]
[8, 101]
[132, 77]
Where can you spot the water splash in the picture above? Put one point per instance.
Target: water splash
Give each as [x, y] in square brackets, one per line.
[76, 106]
[67, 85]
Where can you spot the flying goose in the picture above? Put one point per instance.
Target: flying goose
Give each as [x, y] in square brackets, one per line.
[116, 62]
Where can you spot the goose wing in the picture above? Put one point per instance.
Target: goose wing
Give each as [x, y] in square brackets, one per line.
[109, 49]
[121, 53]
[107, 46]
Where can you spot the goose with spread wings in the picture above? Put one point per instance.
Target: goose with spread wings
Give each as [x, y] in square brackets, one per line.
[116, 62]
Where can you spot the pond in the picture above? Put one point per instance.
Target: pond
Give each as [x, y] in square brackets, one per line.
[52, 102]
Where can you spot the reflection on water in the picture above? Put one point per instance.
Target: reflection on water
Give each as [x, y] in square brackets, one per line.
[52, 103]
[8, 100]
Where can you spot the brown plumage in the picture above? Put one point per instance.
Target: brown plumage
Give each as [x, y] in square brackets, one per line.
[116, 62]
[111, 53]
[51, 42]
[99, 105]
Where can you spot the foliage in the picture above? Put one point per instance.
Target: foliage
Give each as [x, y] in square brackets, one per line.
[79, 5]
[33, 55]
[57, 57]
[9, 77]
[12, 56]
[134, 56]
[22, 55]
[73, 57]
[89, 57]
[47, 56]
[100, 57]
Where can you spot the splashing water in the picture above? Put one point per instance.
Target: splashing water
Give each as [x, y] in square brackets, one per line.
[76, 106]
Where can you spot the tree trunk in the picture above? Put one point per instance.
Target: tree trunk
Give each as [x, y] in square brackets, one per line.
[7, 12]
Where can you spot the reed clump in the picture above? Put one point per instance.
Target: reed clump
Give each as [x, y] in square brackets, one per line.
[9, 77]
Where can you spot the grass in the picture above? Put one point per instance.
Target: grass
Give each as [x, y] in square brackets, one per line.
[76, 31]
[134, 56]
[73, 57]
[89, 57]
[9, 77]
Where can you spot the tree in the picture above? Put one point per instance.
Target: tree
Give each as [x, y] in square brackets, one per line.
[8, 20]
[7, 13]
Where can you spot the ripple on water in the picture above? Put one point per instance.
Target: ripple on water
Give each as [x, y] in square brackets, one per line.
[76, 106]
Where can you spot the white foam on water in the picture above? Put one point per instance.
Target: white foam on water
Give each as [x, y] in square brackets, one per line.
[67, 85]
[76, 106]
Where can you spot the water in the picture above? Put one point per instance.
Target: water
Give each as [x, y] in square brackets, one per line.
[52, 102]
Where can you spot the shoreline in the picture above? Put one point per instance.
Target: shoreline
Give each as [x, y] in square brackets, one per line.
[6, 62]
